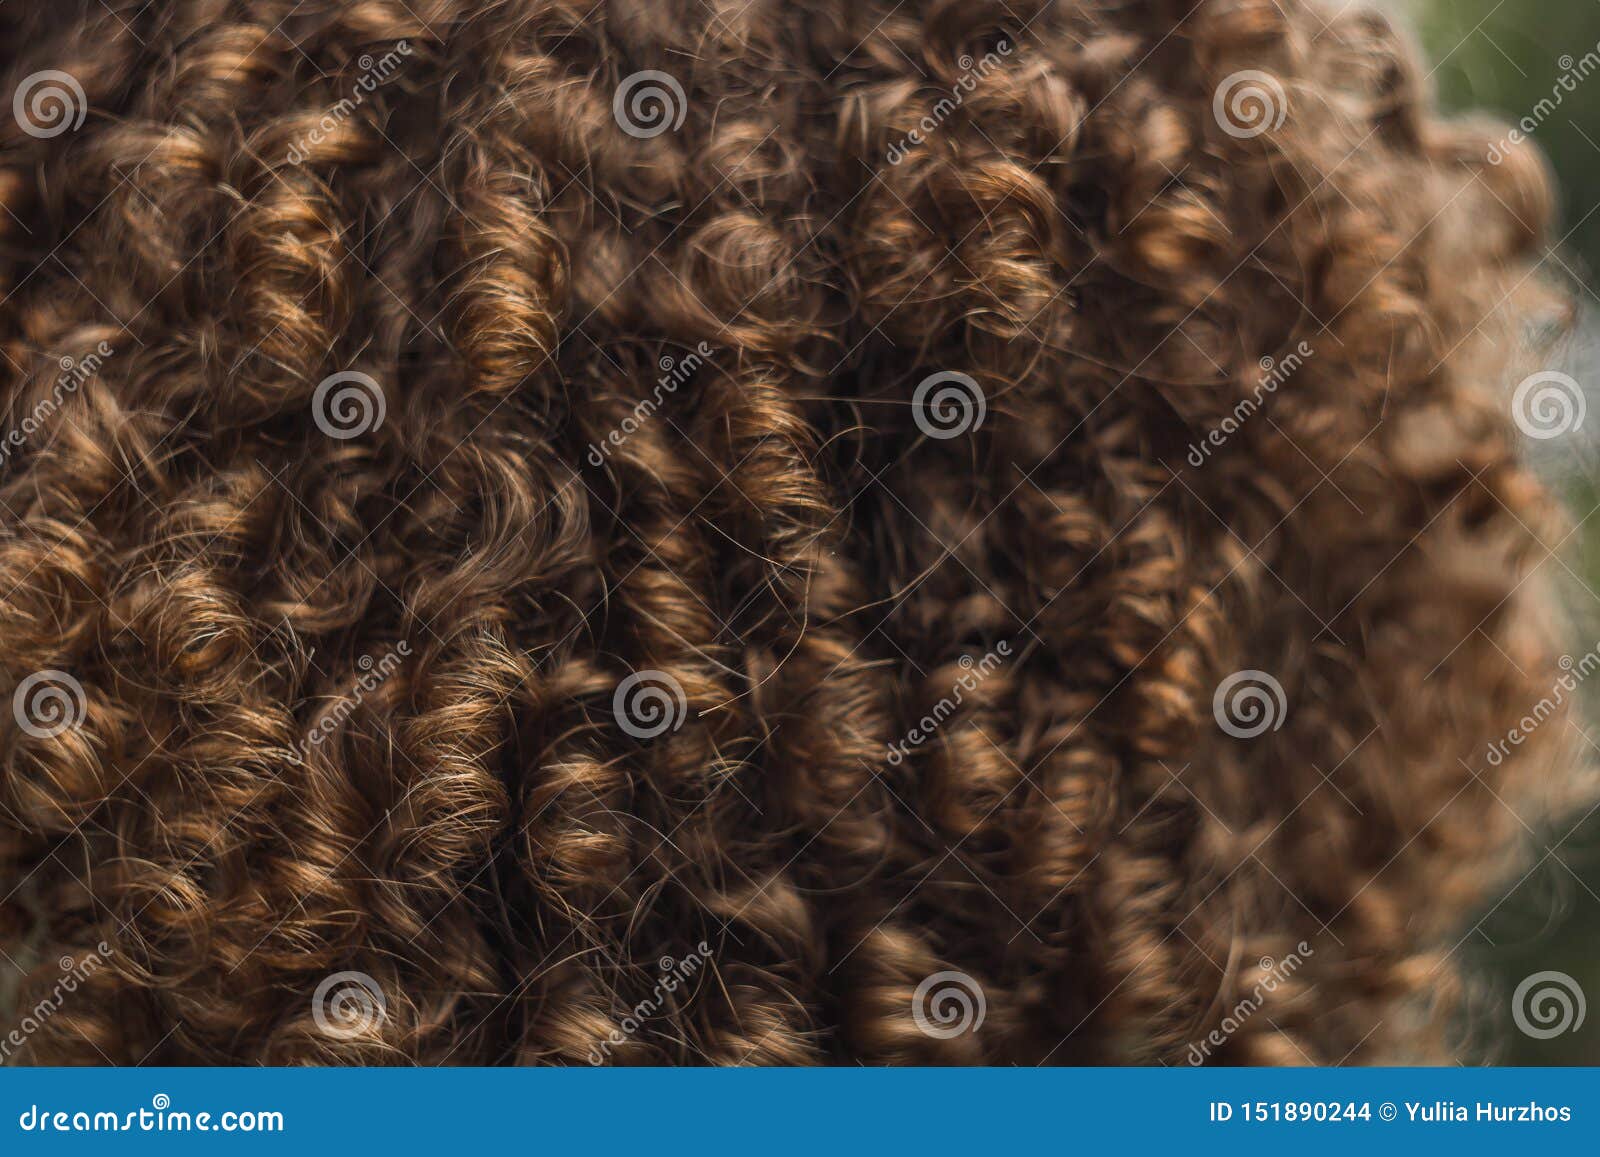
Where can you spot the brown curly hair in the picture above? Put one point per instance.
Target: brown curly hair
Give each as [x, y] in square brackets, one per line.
[666, 531]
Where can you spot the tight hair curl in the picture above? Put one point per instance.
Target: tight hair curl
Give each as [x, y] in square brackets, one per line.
[677, 531]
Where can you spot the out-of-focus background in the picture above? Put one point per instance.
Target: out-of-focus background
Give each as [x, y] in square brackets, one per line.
[1537, 59]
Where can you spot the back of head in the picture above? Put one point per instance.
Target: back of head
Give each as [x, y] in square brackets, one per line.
[961, 531]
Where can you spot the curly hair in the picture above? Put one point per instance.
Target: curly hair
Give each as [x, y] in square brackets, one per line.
[741, 531]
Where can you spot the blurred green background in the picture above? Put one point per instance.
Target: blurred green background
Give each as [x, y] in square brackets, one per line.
[1505, 56]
